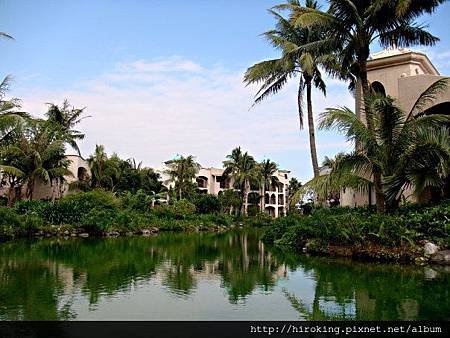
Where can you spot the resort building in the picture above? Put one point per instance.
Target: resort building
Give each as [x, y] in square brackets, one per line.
[402, 74]
[211, 181]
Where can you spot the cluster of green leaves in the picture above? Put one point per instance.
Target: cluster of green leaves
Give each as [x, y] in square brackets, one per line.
[118, 175]
[100, 211]
[344, 226]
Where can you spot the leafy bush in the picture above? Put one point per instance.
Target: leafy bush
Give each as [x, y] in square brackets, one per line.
[217, 219]
[343, 226]
[93, 199]
[3, 201]
[32, 222]
[138, 201]
[178, 210]
[207, 204]
[10, 223]
[98, 220]
[22, 207]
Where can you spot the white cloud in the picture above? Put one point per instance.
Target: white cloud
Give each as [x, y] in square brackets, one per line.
[154, 109]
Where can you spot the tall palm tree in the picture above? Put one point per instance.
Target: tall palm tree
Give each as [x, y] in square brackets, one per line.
[352, 25]
[182, 171]
[243, 169]
[409, 149]
[274, 74]
[62, 119]
[268, 178]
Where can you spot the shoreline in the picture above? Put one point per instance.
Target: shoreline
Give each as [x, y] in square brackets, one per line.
[370, 253]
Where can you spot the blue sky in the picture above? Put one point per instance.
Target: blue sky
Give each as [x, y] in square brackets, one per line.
[165, 77]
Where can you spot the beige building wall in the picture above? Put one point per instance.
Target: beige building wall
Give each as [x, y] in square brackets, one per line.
[276, 200]
[404, 75]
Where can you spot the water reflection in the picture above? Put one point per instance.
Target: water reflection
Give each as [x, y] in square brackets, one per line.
[230, 275]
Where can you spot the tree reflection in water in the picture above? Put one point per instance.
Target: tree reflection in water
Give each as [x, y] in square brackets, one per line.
[39, 279]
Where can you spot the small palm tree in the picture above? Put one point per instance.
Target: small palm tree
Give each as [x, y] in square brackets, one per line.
[243, 169]
[62, 120]
[268, 178]
[97, 165]
[407, 149]
[34, 158]
[182, 171]
[274, 74]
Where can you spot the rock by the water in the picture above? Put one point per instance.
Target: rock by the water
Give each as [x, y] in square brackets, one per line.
[83, 234]
[145, 232]
[112, 234]
[441, 257]
[430, 273]
[430, 249]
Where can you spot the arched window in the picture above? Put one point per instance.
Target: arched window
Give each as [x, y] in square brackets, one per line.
[378, 88]
[82, 174]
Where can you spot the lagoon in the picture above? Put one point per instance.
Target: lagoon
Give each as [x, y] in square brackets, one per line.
[207, 276]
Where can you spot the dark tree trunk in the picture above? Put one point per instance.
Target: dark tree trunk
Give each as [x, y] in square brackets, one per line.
[311, 129]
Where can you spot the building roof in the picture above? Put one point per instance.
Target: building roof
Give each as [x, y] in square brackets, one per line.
[398, 56]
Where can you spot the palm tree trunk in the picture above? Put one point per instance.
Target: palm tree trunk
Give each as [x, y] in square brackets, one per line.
[311, 129]
[30, 188]
[11, 195]
[377, 177]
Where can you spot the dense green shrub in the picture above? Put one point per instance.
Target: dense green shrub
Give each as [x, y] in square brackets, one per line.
[10, 222]
[3, 201]
[207, 204]
[98, 220]
[181, 209]
[32, 222]
[217, 219]
[343, 226]
[22, 207]
[138, 201]
[93, 199]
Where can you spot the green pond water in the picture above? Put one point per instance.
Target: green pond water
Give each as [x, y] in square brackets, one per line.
[228, 276]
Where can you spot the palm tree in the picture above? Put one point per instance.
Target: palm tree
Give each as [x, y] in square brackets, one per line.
[30, 159]
[332, 181]
[408, 149]
[274, 74]
[268, 178]
[182, 171]
[97, 165]
[11, 119]
[62, 119]
[242, 168]
[353, 25]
